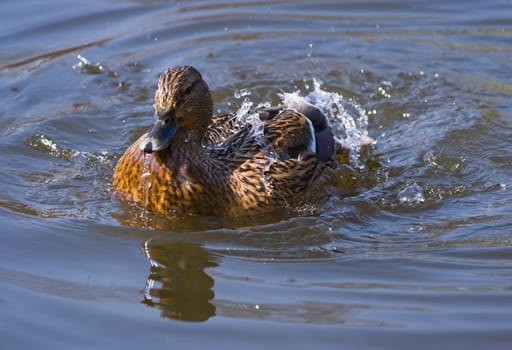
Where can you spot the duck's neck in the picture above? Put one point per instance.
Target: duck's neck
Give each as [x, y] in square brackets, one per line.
[187, 138]
[186, 146]
[188, 160]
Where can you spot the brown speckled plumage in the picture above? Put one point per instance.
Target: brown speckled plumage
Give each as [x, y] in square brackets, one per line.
[216, 164]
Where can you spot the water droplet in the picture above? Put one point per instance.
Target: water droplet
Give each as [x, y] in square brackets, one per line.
[44, 143]
[411, 194]
[241, 93]
[87, 67]
[431, 158]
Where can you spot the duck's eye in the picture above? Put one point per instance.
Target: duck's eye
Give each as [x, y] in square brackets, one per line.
[188, 90]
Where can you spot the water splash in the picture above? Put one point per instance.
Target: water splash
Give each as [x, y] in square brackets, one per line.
[411, 195]
[348, 119]
[241, 93]
[246, 115]
[87, 67]
[145, 182]
[244, 111]
[45, 144]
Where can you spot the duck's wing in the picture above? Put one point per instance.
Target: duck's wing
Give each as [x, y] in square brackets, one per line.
[292, 176]
[298, 128]
[231, 142]
[304, 152]
[221, 128]
[275, 157]
[325, 144]
[226, 125]
[291, 133]
[285, 133]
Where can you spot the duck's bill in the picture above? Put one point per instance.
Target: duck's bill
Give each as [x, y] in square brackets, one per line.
[159, 137]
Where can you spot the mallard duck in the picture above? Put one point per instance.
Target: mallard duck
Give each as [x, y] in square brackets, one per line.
[222, 165]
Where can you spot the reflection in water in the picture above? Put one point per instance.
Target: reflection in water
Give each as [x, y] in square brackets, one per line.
[177, 281]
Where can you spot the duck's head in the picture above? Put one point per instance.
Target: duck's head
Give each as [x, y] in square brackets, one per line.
[183, 104]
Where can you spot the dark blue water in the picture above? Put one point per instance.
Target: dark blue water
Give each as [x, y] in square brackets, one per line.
[409, 245]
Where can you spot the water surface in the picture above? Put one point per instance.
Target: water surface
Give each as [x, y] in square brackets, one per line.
[407, 245]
